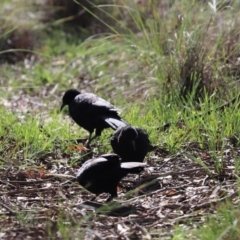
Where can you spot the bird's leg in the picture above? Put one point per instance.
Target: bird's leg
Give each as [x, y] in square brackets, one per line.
[90, 140]
[97, 134]
[113, 194]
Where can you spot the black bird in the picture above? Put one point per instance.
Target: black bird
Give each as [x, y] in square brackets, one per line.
[91, 112]
[131, 143]
[102, 174]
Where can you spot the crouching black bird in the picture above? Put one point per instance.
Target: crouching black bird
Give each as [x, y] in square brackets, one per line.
[91, 112]
[102, 174]
[131, 143]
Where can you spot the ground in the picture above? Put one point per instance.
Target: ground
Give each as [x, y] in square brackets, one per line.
[176, 63]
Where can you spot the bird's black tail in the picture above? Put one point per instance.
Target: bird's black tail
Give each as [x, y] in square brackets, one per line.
[133, 167]
[116, 123]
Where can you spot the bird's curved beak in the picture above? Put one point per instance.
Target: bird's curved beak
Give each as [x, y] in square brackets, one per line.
[62, 106]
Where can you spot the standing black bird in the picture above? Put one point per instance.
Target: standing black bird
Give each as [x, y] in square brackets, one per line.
[102, 174]
[131, 143]
[91, 112]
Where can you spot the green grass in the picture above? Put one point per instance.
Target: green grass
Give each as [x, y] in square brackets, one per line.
[140, 67]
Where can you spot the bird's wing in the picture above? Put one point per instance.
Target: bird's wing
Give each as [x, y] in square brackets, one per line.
[99, 102]
[91, 163]
[95, 161]
[132, 165]
[105, 158]
[95, 104]
[110, 156]
[115, 123]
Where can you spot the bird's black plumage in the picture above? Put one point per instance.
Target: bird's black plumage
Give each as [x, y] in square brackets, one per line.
[102, 174]
[91, 112]
[131, 143]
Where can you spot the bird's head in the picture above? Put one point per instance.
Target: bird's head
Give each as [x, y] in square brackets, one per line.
[68, 97]
[132, 136]
[129, 134]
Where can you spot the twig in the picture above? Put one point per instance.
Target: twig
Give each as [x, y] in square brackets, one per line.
[11, 212]
[64, 176]
[172, 173]
[22, 182]
[155, 192]
[209, 204]
[177, 220]
[29, 191]
[180, 219]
